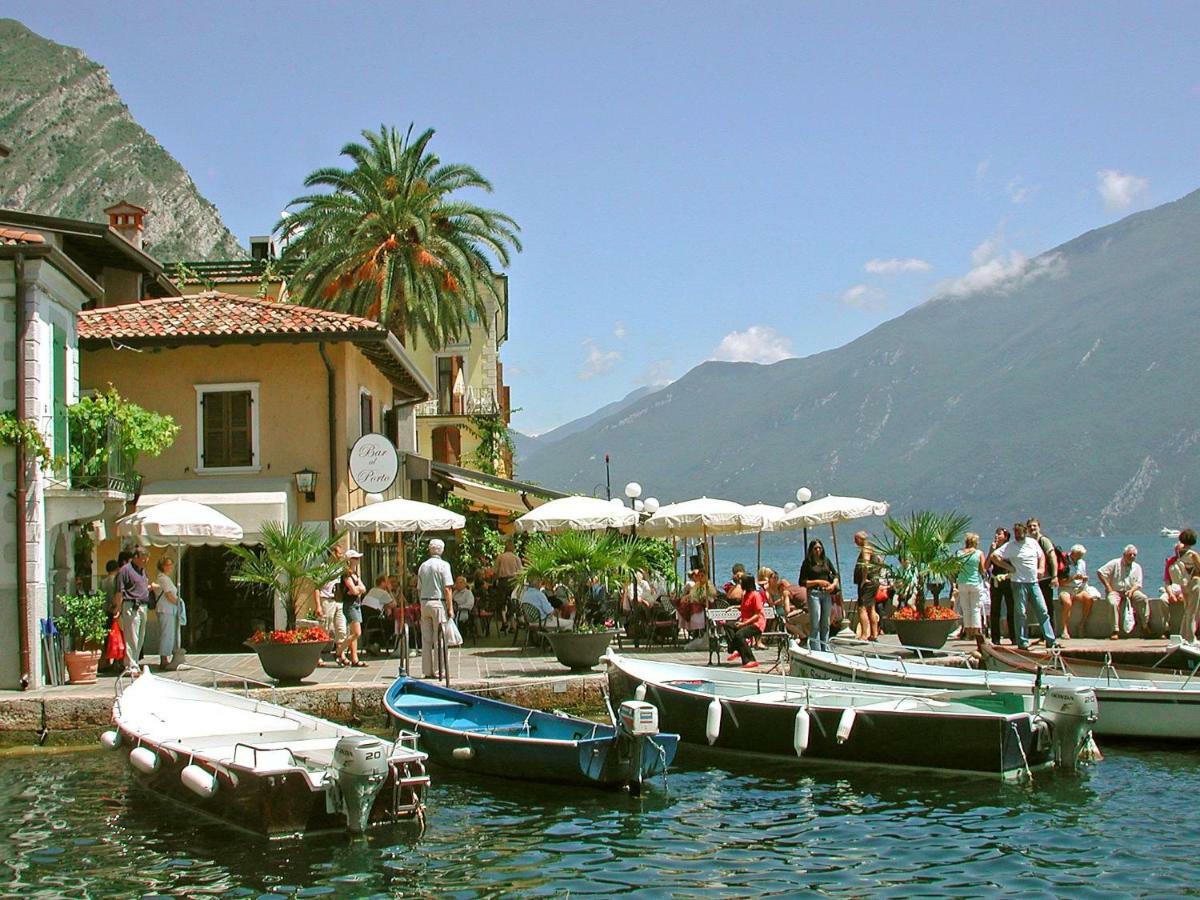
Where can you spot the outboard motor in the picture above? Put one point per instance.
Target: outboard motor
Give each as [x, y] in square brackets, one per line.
[1071, 712]
[360, 765]
[637, 720]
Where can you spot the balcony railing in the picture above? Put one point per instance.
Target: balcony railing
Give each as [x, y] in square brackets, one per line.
[475, 402]
[98, 463]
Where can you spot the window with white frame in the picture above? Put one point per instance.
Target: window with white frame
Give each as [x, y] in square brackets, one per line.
[227, 427]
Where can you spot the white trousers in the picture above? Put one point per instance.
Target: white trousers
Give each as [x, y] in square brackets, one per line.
[433, 614]
[133, 627]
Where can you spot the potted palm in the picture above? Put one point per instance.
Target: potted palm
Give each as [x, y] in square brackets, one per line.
[579, 559]
[85, 619]
[291, 561]
[917, 552]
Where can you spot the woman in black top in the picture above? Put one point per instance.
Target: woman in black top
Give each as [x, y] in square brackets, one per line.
[821, 578]
[1000, 588]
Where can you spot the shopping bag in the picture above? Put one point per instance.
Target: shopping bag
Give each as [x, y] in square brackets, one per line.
[454, 637]
[1127, 620]
[115, 648]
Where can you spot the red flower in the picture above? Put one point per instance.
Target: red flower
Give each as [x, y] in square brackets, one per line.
[295, 636]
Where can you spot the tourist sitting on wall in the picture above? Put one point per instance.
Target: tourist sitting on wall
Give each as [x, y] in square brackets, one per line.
[1073, 588]
[1122, 580]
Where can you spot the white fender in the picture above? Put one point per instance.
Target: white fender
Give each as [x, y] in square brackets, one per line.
[846, 725]
[463, 753]
[712, 725]
[800, 731]
[144, 760]
[639, 693]
[199, 780]
[110, 740]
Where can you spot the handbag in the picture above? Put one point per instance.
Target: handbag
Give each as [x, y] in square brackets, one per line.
[115, 646]
[881, 594]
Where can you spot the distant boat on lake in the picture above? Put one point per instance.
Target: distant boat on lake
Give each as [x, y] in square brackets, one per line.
[1169, 532]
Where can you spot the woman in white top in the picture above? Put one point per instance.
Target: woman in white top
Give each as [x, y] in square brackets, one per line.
[167, 610]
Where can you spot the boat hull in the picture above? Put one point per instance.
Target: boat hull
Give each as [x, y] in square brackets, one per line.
[994, 746]
[277, 805]
[1127, 708]
[573, 751]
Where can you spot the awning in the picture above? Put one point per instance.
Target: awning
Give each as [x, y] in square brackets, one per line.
[493, 499]
[248, 501]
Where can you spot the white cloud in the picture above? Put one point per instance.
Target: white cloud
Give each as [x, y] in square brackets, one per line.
[513, 371]
[895, 266]
[1018, 191]
[757, 344]
[1119, 189]
[598, 361]
[981, 169]
[619, 330]
[657, 374]
[997, 269]
[863, 296]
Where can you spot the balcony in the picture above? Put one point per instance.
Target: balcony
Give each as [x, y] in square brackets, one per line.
[98, 463]
[474, 402]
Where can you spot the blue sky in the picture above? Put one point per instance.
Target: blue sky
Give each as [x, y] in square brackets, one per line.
[693, 180]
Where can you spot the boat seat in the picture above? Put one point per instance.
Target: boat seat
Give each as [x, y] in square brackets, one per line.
[497, 729]
[418, 702]
[286, 736]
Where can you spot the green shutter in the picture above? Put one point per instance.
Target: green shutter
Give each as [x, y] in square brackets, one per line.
[59, 380]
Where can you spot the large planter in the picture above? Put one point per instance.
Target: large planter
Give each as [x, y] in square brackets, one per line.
[288, 662]
[928, 633]
[82, 666]
[579, 650]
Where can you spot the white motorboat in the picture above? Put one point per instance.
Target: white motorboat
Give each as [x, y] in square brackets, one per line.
[1169, 532]
[1166, 709]
[261, 766]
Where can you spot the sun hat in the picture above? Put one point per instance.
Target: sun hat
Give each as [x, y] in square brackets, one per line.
[1080, 549]
[352, 554]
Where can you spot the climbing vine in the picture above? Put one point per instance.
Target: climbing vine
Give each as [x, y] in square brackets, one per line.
[24, 433]
[495, 442]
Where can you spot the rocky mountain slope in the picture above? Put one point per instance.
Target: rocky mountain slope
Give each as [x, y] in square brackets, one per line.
[76, 149]
[1065, 392]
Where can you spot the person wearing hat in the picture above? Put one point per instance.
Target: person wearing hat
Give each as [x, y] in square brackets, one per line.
[353, 590]
[131, 603]
[435, 585]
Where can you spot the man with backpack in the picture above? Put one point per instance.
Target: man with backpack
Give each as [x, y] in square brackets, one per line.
[1049, 578]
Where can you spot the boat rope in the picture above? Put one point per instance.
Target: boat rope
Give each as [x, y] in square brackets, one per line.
[1021, 747]
[662, 758]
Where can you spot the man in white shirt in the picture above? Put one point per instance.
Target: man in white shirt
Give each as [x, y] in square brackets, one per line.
[1122, 580]
[435, 585]
[464, 600]
[379, 598]
[1024, 558]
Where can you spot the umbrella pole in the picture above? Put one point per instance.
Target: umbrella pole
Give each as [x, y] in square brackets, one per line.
[836, 561]
[758, 554]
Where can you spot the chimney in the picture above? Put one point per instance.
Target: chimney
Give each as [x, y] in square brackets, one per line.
[262, 247]
[126, 220]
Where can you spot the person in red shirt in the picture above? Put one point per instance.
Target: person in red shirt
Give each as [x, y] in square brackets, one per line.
[750, 625]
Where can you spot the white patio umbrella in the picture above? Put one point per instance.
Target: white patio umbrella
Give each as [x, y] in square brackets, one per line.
[401, 515]
[175, 523]
[577, 514]
[702, 518]
[831, 511]
[770, 515]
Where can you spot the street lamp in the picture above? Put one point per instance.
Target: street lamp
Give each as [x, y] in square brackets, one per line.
[644, 509]
[804, 495]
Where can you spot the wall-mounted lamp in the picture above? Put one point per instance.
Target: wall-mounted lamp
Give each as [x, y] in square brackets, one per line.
[306, 483]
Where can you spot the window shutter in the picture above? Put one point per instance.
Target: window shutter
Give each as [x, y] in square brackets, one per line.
[241, 437]
[216, 411]
[228, 429]
[59, 376]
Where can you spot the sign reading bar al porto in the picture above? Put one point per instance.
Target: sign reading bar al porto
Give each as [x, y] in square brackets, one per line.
[373, 463]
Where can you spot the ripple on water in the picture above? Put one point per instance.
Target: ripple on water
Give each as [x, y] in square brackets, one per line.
[73, 826]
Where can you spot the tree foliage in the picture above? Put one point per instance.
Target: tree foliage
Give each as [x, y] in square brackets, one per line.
[293, 560]
[106, 423]
[390, 239]
[495, 442]
[24, 433]
[921, 549]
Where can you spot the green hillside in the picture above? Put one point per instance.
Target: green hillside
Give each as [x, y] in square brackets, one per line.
[76, 150]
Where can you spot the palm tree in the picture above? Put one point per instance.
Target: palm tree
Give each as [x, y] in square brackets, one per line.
[574, 558]
[294, 560]
[922, 548]
[388, 238]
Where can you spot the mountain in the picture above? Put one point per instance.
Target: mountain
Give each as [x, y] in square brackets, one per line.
[527, 444]
[75, 149]
[1064, 392]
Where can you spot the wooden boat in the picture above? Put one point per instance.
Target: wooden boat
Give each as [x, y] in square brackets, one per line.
[260, 766]
[1157, 708]
[819, 721]
[1013, 659]
[478, 734]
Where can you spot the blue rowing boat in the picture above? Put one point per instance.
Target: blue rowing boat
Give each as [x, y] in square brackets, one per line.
[477, 734]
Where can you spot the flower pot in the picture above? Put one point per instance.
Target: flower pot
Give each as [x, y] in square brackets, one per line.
[579, 650]
[288, 662]
[928, 633]
[82, 666]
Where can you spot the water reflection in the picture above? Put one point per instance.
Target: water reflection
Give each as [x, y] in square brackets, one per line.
[74, 825]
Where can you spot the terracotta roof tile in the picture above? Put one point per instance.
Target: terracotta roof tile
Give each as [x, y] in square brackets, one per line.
[214, 314]
[19, 236]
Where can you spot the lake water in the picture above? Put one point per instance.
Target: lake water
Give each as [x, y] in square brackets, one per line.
[74, 825]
